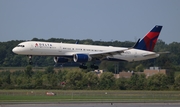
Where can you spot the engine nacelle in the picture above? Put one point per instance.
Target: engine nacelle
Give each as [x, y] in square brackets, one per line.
[60, 60]
[81, 58]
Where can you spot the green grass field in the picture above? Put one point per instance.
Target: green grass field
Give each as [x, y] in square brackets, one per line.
[88, 96]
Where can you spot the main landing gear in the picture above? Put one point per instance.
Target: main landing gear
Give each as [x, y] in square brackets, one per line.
[83, 66]
[94, 66]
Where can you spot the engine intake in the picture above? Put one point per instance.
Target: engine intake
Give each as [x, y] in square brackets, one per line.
[60, 60]
[81, 58]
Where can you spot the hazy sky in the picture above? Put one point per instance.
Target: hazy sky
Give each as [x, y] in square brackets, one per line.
[106, 20]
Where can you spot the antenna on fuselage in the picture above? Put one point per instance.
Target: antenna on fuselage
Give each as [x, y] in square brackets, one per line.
[77, 42]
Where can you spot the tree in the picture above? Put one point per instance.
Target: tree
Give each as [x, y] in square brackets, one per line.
[38, 81]
[2, 53]
[137, 81]
[177, 82]
[61, 75]
[6, 78]
[157, 82]
[108, 66]
[139, 68]
[107, 81]
[91, 79]
[49, 70]
[74, 79]
[121, 83]
[28, 71]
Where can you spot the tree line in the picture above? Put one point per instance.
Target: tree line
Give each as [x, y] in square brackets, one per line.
[82, 80]
[167, 61]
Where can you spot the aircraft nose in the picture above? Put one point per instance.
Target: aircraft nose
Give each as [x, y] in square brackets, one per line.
[14, 50]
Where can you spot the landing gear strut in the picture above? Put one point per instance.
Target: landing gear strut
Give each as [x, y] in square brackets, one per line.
[30, 59]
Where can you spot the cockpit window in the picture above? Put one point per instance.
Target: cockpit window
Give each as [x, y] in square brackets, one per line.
[20, 46]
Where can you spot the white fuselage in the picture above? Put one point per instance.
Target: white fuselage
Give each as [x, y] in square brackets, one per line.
[63, 49]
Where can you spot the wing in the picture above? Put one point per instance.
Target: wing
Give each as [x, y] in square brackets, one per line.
[97, 55]
[102, 55]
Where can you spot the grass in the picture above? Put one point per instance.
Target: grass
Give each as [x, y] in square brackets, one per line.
[85, 95]
[89, 96]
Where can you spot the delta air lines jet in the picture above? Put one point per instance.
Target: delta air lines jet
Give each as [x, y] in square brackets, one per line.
[64, 52]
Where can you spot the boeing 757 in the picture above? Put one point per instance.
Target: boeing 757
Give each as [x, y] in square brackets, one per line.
[65, 52]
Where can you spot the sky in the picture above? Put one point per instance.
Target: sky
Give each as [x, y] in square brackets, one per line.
[105, 20]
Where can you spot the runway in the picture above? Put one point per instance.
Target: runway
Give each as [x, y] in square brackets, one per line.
[95, 105]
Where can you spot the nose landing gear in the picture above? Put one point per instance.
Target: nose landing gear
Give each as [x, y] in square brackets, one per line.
[30, 59]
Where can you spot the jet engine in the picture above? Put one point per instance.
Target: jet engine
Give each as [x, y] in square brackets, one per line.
[81, 58]
[60, 60]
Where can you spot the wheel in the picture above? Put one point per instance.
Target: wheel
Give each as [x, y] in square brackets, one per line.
[82, 66]
[94, 67]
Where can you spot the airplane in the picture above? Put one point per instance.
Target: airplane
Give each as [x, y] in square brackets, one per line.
[80, 53]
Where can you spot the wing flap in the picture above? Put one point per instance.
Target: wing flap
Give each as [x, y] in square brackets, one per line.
[102, 55]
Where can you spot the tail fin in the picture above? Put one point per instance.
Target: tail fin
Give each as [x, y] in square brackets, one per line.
[150, 39]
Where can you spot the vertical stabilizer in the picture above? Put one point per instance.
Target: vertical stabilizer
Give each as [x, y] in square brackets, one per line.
[150, 39]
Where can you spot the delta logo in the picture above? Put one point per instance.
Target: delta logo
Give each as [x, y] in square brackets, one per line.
[36, 45]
